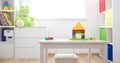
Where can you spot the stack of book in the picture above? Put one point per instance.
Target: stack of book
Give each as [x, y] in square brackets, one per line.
[6, 19]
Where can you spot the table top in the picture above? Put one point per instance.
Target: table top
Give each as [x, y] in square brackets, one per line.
[72, 41]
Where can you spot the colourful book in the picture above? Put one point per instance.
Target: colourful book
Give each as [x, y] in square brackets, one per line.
[8, 18]
[3, 38]
[108, 17]
[102, 34]
[102, 5]
[2, 19]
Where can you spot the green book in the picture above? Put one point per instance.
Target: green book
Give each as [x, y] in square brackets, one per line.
[102, 33]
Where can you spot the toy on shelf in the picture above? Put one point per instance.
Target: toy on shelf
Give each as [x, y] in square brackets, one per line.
[78, 33]
[11, 8]
[49, 38]
[7, 7]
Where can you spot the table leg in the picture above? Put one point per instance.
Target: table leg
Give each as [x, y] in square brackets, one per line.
[41, 54]
[46, 55]
[89, 56]
[105, 54]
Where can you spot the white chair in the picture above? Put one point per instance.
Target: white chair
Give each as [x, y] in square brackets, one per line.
[66, 58]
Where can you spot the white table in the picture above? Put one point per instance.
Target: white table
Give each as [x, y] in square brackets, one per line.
[71, 44]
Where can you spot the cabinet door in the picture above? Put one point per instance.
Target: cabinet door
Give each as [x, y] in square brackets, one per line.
[6, 50]
[102, 5]
[110, 52]
[27, 53]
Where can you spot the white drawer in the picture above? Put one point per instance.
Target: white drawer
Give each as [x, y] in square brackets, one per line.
[31, 32]
[27, 42]
[27, 53]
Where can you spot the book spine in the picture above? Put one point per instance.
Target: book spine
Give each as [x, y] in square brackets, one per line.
[3, 21]
[3, 38]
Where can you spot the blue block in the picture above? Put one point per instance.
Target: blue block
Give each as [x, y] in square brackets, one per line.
[73, 34]
[83, 36]
[90, 38]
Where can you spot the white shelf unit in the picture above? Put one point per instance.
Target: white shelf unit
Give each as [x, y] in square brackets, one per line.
[102, 23]
[105, 29]
[7, 48]
[7, 11]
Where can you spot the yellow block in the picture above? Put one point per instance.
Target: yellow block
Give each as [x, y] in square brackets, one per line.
[93, 38]
[78, 26]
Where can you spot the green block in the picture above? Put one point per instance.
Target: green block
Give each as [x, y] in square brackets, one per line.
[78, 32]
[102, 34]
[47, 38]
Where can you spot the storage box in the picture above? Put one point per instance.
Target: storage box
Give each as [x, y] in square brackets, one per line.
[8, 33]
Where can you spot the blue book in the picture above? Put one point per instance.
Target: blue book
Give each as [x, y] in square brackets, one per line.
[3, 38]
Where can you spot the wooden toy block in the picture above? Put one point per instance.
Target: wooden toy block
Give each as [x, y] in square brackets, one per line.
[78, 26]
[94, 38]
[90, 38]
[73, 35]
[83, 36]
[51, 38]
[74, 31]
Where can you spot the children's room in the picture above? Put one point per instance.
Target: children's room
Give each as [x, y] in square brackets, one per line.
[59, 31]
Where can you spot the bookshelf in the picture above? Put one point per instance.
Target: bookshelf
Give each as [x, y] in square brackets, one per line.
[105, 19]
[7, 16]
[7, 27]
[106, 25]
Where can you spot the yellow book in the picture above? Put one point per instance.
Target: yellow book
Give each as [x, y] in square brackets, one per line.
[9, 18]
[108, 17]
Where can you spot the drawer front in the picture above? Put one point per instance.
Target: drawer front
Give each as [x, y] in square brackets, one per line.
[27, 53]
[31, 32]
[27, 42]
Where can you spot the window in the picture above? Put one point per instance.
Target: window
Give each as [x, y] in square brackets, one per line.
[52, 9]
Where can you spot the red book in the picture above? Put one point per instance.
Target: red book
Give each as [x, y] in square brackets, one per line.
[102, 5]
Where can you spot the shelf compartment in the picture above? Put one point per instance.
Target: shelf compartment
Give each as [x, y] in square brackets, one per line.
[6, 10]
[106, 34]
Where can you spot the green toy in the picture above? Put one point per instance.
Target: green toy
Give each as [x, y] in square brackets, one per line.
[24, 16]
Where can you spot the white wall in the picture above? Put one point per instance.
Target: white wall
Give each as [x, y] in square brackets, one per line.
[116, 31]
[63, 28]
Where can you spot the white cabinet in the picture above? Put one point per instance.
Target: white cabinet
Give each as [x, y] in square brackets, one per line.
[27, 39]
[106, 24]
